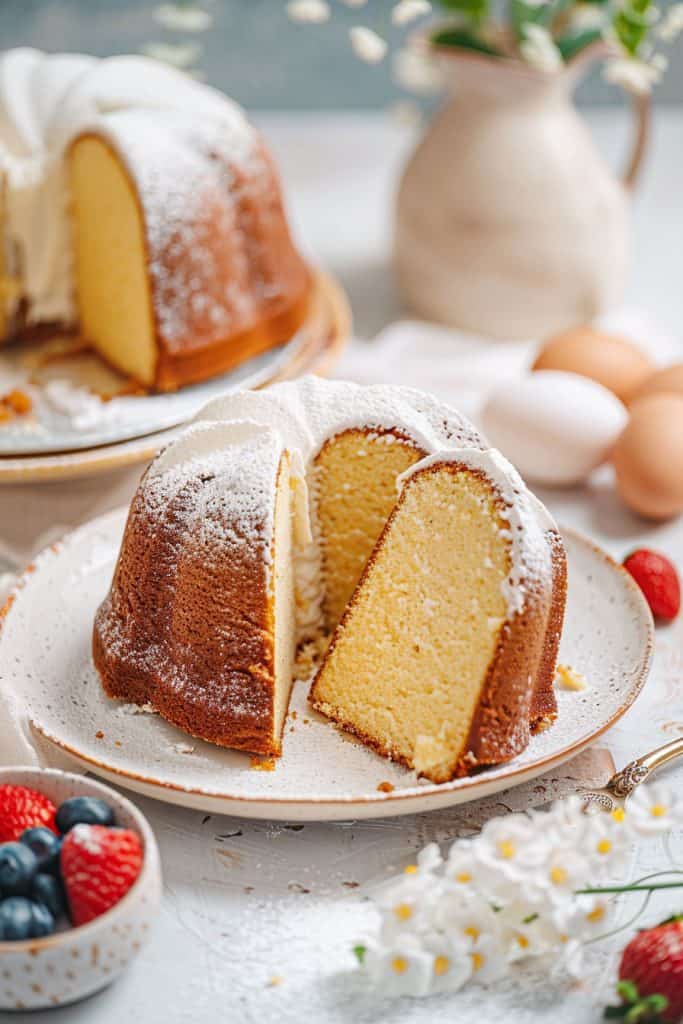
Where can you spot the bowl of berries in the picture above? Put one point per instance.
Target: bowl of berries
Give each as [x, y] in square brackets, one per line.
[80, 884]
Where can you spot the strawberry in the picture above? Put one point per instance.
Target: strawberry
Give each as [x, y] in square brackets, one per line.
[22, 808]
[658, 580]
[99, 865]
[651, 976]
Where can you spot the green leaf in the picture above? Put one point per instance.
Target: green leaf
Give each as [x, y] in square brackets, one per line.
[572, 43]
[530, 919]
[631, 26]
[657, 1002]
[464, 39]
[359, 953]
[628, 991]
[476, 12]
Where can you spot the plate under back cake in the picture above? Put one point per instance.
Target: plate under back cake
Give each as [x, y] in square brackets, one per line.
[142, 208]
[383, 520]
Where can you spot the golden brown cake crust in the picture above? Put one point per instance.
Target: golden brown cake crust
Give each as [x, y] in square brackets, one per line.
[189, 628]
[518, 690]
[236, 256]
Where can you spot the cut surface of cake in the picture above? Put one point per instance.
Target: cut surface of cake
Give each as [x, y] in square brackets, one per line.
[142, 207]
[432, 659]
[202, 620]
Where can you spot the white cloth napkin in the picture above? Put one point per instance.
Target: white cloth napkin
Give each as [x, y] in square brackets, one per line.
[457, 367]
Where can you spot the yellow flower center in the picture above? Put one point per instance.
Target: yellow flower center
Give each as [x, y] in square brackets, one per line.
[558, 875]
[604, 846]
[473, 932]
[477, 961]
[463, 876]
[522, 941]
[399, 964]
[410, 869]
[441, 965]
[618, 813]
[595, 915]
[507, 849]
[658, 810]
[403, 911]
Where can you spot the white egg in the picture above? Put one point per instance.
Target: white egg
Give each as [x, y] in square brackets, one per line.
[555, 427]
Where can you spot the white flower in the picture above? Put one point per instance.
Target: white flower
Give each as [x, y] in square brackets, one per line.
[654, 809]
[584, 17]
[179, 55]
[406, 11]
[507, 850]
[452, 963]
[605, 844]
[311, 12]
[476, 924]
[182, 19]
[403, 968]
[527, 930]
[367, 45]
[538, 49]
[416, 70]
[671, 25]
[632, 74]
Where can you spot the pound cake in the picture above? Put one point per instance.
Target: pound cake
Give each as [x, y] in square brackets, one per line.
[375, 514]
[141, 207]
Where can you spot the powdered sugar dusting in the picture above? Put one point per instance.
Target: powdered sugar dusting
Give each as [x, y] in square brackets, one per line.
[192, 177]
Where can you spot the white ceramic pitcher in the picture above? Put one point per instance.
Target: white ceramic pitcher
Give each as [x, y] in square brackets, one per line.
[509, 222]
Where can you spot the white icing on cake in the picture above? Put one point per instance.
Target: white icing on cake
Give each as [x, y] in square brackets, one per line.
[46, 101]
[300, 416]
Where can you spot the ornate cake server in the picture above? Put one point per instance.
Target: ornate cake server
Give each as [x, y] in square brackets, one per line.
[614, 793]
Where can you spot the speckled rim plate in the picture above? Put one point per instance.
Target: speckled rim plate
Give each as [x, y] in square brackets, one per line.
[317, 344]
[45, 661]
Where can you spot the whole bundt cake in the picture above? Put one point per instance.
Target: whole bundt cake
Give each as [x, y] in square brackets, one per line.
[373, 514]
[141, 206]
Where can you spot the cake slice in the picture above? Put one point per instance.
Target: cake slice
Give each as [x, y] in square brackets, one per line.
[444, 644]
[199, 622]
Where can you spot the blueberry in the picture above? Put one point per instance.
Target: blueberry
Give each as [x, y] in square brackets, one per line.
[86, 810]
[45, 844]
[42, 921]
[49, 892]
[18, 865]
[16, 919]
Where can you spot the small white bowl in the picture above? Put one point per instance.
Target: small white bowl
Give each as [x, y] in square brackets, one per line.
[73, 964]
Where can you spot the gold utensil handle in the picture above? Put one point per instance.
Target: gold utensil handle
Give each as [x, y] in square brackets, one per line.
[625, 781]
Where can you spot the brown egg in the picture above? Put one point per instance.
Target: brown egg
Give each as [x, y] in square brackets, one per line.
[615, 363]
[648, 457]
[669, 378]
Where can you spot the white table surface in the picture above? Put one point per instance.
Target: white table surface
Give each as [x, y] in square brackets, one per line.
[247, 902]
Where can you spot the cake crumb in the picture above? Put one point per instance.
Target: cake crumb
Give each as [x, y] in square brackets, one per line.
[274, 981]
[14, 403]
[385, 787]
[569, 679]
[265, 764]
[99, 735]
[183, 748]
[137, 709]
[309, 656]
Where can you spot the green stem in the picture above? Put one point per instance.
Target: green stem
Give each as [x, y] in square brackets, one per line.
[628, 888]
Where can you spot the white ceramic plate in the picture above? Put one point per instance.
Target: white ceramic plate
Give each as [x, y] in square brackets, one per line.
[56, 426]
[53, 429]
[323, 774]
